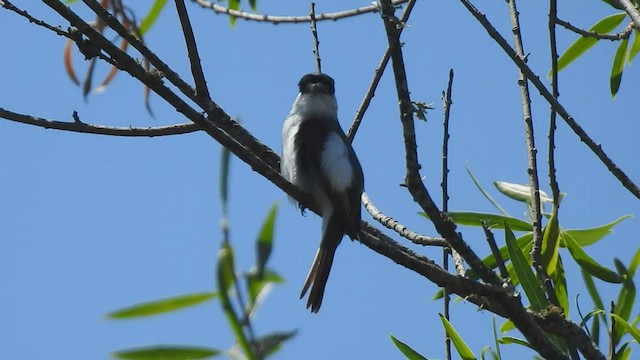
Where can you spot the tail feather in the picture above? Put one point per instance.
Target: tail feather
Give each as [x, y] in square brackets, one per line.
[319, 272]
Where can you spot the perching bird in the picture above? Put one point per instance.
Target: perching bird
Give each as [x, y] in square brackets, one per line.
[318, 158]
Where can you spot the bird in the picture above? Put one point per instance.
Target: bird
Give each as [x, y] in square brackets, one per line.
[318, 158]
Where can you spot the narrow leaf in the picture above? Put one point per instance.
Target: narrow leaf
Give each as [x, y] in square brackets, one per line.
[162, 306]
[624, 305]
[519, 192]
[551, 243]
[507, 326]
[590, 236]
[584, 43]
[522, 242]
[525, 274]
[271, 343]
[635, 47]
[492, 220]
[224, 179]
[635, 261]
[463, 350]
[226, 276]
[495, 338]
[152, 16]
[635, 333]
[264, 244]
[589, 264]
[164, 352]
[484, 192]
[618, 67]
[514, 340]
[406, 350]
[591, 288]
[560, 287]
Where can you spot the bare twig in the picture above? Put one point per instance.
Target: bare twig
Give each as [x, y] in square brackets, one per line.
[393, 224]
[56, 29]
[624, 34]
[553, 180]
[276, 19]
[364, 105]
[202, 91]
[316, 42]
[535, 80]
[81, 127]
[446, 104]
[495, 251]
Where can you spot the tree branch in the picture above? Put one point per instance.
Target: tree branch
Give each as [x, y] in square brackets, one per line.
[535, 80]
[631, 9]
[81, 127]
[624, 34]
[276, 19]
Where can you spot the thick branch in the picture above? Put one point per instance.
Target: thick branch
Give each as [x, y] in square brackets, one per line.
[632, 10]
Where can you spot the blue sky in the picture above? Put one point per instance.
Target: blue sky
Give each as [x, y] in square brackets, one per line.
[90, 224]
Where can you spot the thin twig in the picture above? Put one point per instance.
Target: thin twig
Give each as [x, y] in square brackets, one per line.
[535, 80]
[277, 19]
[553, 180]
[202, 91]
[9, 6]
[446, 104]
[81, 127]
[393, 224]
[364, 105]
[316, 42]
[624, 34]
[495, 251]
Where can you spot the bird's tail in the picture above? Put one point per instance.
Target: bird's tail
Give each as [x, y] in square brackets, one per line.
[319, 272]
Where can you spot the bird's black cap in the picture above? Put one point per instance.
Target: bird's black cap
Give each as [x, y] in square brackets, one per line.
[317, 83]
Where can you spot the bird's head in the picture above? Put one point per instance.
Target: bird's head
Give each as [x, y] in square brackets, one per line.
[317, 83]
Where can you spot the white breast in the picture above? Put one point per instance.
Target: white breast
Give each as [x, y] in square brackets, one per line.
[335, 164]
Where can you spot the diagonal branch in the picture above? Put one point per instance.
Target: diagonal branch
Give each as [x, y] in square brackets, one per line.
[202, 91]
[535, 80]
[632, 10]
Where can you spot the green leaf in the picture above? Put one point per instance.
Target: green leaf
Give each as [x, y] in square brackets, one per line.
[584, 43]
[264, 243]
[591, 314]
[162, 306]
[523, 242]
[525, 274]
[514, 340]
[591, 288]
[254, 5]
[260, 286]
[498, 355]
[560, 287]
[519, 192]
[635, 261]
[590, 236]
[233, 5]
[507, 326]
[224, 179]
[225, 275]
[406, 350]
[463, 350]
[152, 15]
[551, 243]
[164, 352]
[624, 304]
[613, 4]
[635, 47]
[588, 264]
[271, 343]
[630, 329]
[492, 220]
[618, 67]
[484, 192]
